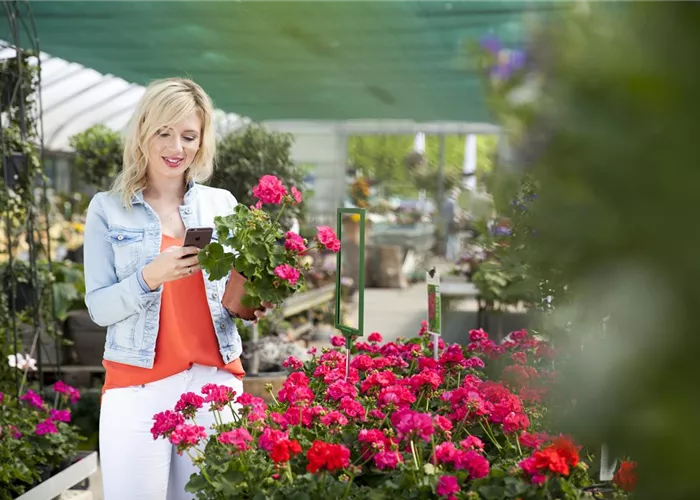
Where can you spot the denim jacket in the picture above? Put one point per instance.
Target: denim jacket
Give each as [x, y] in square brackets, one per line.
[118, 244]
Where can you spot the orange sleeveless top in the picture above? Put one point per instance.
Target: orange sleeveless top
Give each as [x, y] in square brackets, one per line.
[186, 335]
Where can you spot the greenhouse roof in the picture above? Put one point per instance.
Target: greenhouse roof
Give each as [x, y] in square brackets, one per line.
[284, 60]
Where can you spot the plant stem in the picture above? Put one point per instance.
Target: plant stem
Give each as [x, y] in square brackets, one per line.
[490, 434]
[347, 488]
[280, 213]
[415, 455]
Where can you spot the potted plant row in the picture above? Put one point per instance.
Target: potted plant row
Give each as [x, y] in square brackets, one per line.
[38, 441]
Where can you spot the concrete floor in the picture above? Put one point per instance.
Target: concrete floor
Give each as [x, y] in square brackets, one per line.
[392, 312]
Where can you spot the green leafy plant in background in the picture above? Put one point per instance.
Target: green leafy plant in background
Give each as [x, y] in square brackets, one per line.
[98, 155]
[244, 156]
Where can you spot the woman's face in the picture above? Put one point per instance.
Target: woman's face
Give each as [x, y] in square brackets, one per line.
[172, 149]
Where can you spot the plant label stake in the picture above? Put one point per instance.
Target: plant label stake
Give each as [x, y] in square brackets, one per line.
[348, 331]
[432, 279]
[607, 469]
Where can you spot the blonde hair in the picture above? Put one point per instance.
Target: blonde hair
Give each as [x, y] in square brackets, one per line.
[165, 103]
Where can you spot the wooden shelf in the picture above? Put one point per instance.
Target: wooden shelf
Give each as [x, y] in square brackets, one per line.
[304, 301]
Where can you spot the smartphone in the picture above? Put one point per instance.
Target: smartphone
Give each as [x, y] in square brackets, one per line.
[198, 237]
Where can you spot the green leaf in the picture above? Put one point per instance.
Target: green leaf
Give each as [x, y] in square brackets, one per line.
[215, 261]
[196, 483]
[491, 492]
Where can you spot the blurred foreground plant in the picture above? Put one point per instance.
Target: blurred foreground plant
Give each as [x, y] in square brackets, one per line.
[601, 118]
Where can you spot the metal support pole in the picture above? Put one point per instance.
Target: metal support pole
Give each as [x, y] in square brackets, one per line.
[347, 363]
[255, 358]
[442, 223]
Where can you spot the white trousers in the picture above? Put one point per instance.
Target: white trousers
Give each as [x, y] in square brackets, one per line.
[134, 465]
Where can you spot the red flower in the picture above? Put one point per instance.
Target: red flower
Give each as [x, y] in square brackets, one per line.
[296, 194]
[626, 477]
[557, 458]
[284, 449]
[269, 437]
[270, 190]
[326, 237]
[330, 457]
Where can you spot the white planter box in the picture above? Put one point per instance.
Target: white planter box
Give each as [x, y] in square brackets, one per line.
[64, 480]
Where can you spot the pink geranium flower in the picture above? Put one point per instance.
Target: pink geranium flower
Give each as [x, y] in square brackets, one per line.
[189, 403]
[270, 190]
[218, 395]
[33, 399]
[326, 237]
[185, 436]
[375, 337]
[387, 459]
[337, 341]
[59, 415]
[269, 437]
[296, 194]
[46, 427]
[239, 438]
[447, 487]
[294, 242]
[72, 393]
[288, 273]
[165, 423]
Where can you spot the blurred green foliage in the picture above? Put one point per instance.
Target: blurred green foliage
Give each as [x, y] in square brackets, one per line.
[605, 134]
[98, 155]
[388, 161]
[244, 156]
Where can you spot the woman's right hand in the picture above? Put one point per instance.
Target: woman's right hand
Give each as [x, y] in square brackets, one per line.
[172, 264]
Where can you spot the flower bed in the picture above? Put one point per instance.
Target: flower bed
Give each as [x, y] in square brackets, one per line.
[36, 439]
[466, 426]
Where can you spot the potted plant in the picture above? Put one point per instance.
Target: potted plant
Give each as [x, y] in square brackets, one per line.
[37, 439]
[262, 262]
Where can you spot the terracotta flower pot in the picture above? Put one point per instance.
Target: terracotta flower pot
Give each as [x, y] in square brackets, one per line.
[235, 290]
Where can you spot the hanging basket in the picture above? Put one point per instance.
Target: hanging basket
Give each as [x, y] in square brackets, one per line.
[233, 296]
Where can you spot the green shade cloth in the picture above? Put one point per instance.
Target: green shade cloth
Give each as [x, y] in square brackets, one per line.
[332, 60]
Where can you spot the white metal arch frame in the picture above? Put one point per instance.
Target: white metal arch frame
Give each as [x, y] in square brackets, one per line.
[74, 98]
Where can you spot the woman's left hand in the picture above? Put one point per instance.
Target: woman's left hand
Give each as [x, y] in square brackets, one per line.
[261, 314]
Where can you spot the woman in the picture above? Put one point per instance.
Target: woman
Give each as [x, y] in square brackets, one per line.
[167, 332]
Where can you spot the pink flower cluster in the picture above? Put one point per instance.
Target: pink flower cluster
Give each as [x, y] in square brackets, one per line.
[70, 392]
[288, 273]
[271, 191]
[397, 407]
